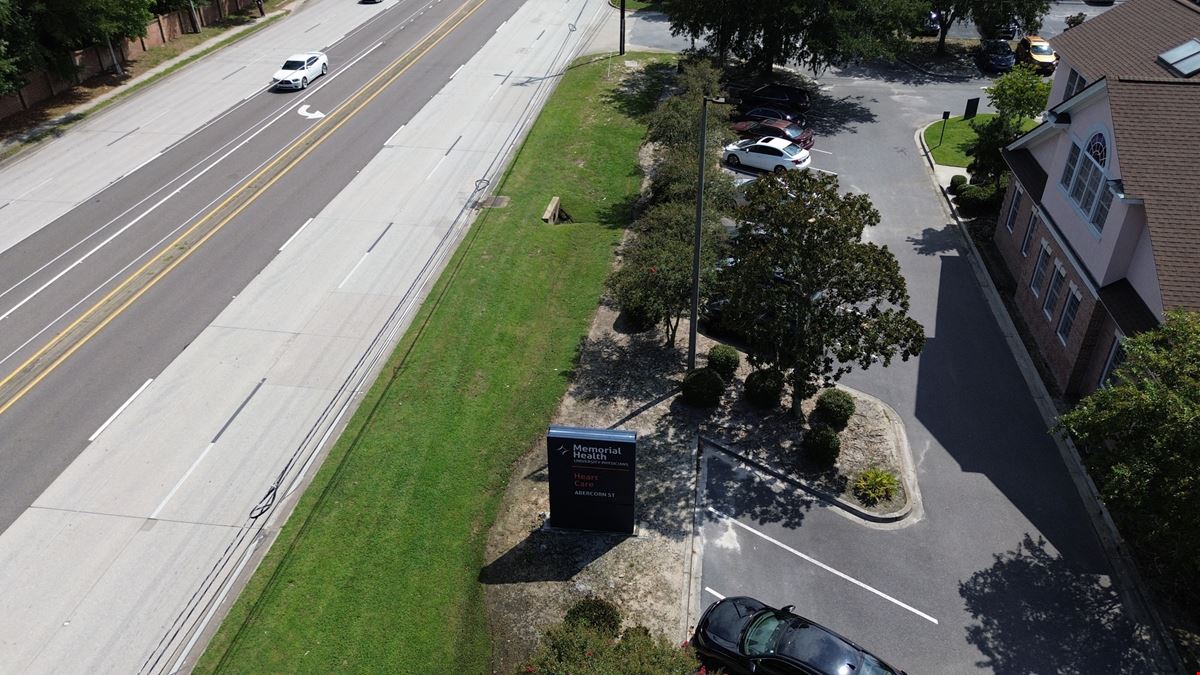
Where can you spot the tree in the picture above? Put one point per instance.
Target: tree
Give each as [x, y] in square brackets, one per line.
[16, 48]
[987, 164]
[814, 33]
[1019, 94]
[812, 298]
[987, 14]
[1143, 430]
[60, 27]
[654, 282]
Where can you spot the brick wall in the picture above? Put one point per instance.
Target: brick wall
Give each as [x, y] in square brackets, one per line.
[1072, 365]
[95, 60]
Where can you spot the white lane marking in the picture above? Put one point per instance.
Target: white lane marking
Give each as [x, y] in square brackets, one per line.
[831, 173]
[456, 72]
[30, 190]
[392, 140]
[181, 481]
[314, 115]
[718, 595]
[435, 167]
[120, 410]
[497, 27]
[824, 151]
[157, 204]
[356, 266]
[289, 240]
[825, 567]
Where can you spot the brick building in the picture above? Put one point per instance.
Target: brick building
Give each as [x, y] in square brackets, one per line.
[1101, 223]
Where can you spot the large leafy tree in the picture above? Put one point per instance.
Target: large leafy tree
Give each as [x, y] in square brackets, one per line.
[16, 47]
[1017, 96]
[815, 33]
[1143, 431]
[59, 27]
[988, 13]
[812, 298]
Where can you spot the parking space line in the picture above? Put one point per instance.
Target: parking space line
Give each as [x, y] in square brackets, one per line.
[831, 173]
[825, 567]
[718, 595]
[824, 151]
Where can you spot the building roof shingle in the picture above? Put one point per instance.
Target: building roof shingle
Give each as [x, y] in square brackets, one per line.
[1157, 127]
[1127, 39]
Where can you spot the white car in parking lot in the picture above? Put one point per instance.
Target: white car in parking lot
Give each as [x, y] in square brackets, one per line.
[299, 70]
[768, 154]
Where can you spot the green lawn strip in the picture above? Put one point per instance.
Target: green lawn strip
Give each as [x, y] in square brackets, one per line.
[57, 129]
[377, 569]
[960, 135]
[633, 5]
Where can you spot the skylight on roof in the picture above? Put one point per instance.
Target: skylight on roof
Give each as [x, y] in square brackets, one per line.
[1184, 59]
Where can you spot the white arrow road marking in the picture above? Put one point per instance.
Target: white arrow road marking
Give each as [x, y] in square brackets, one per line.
[314, 115]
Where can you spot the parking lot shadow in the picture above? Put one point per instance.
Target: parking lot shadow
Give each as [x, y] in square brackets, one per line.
[548, 555]
[1033, 612]
[933, 241]
[741, 494]
[831, 115]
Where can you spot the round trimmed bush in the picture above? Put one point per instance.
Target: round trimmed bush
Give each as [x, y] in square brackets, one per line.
[596, 613]
[822, 445]
[702, 388]
[834, 407]
[764, 388]
[725, 360]
[875, 485]
[956, 183]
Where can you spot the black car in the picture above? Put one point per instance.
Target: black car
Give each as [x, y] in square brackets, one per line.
[765, 112]
[1004, 30]
[776, 96]
[743, 635]
[995, 56]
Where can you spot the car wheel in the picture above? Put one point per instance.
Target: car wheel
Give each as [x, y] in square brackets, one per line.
[780, 169]
[304, 83]
[324, 68]
[733, 160]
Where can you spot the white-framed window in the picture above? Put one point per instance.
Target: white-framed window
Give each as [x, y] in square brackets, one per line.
[1067, 320]
[1029, 230]
[1084, 180]
[1075, 84]
[1056, 283]
[1116, 354]
[1039, 271]
[1011, 220]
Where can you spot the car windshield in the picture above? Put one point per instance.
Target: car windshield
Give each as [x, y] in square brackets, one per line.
[792, 151]
[872, 666]
[821, 650]
[997, 47]
[293, 65]
[760, 636]
[793, 131]
[1041, 49]
[747, 143]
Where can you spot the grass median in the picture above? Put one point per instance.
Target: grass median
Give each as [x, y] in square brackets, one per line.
[954, 148]
[377, 568]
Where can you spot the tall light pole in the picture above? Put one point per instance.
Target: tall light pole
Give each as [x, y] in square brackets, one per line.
[622, 27]
[695, 309]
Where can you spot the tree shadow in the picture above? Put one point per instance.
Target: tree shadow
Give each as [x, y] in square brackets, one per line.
[829, 115]
[665, 491]
[549, 555]
[935, 242]
[738, 492]
[1035, 613]
[639, 92]
[629, 369]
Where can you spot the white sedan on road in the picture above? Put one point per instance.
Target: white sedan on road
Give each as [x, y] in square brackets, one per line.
[299, 70]
[768, 154]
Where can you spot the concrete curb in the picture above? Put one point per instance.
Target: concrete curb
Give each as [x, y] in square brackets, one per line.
[695, 562]
[854, 511]
[90, 106]
[1131, 589]
[932, 73]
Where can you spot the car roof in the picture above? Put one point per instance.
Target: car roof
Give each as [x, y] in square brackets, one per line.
[302, 56]
[774, 142]
[778, 124]
[1036, 38]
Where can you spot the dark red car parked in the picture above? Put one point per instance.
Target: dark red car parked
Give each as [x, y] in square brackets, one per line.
[777, 128]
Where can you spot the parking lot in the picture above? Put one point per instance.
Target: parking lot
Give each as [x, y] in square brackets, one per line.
[1003, 573]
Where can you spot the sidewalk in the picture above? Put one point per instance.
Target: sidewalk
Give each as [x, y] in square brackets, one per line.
[135, 84]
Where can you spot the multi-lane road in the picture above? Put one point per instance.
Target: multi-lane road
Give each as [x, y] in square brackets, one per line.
[190, 304]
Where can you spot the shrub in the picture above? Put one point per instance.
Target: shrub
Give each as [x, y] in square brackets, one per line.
[725, 360]
[571, 649]
[834, 407]
[702, 388]
[977, 200]
[956, 183]
[875, 485]
[596, 613]
[764, 388]
[822, 445]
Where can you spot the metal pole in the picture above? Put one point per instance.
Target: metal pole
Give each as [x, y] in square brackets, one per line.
[943, 134]
[622, 27]
[695, 309]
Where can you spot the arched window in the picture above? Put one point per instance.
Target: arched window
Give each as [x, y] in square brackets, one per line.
[1084, 180]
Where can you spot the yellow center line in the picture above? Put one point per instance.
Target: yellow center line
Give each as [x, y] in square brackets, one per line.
[237, 211]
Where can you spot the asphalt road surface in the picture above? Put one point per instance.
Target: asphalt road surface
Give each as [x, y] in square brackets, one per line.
[179, 347]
